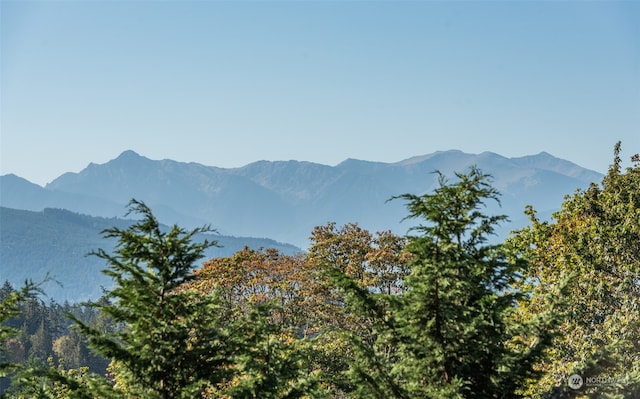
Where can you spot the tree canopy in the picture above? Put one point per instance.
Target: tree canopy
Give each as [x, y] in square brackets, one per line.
[594, 239]
[445, 311]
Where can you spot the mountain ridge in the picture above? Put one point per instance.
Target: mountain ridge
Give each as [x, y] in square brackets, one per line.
[284, 200]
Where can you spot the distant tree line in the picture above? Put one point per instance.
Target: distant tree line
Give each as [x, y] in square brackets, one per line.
[443, 312]
[57, 241]
[42, 331]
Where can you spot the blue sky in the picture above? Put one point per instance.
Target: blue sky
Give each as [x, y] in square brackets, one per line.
[229, 83]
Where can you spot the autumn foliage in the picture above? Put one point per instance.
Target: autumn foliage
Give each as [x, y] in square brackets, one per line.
[445, 311]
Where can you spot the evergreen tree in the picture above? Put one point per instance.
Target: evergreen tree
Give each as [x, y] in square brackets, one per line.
[173, 344]
[456, 321]
[452, 333]
[9, 308]
[176, 341]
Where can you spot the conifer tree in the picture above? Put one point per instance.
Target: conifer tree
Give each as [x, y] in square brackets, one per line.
[179, 342]
[456, 320]
[173, 343]
[9, 307]
[452, 333]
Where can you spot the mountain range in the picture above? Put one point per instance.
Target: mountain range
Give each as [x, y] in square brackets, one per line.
[281, 201]
[284, 200]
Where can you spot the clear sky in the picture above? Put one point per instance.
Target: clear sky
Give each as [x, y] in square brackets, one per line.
[229, 83]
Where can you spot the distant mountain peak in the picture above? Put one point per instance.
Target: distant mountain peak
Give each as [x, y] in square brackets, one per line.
[13, 176]
[127, 154]
[490, 154]
[358, 162]
[541, 156]
[422, 158]
[10, 181]
[547, 161]
[130, 156]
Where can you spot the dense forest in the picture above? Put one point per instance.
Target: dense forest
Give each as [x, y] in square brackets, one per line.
[443, 312]
[56, 241]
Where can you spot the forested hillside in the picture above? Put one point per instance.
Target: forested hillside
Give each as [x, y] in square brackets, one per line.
[56, 242]
[442, 312]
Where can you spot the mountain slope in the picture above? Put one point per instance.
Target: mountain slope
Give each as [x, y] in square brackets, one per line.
[284, 200]
[56, 242]
[16, 192]
[187, 193]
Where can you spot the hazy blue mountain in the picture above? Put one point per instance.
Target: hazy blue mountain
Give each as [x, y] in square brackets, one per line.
[284, 200]
[16, 192]
[56, 242]
[186, 193]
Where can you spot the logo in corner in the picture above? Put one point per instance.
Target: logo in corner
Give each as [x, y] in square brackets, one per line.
[575, 381]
